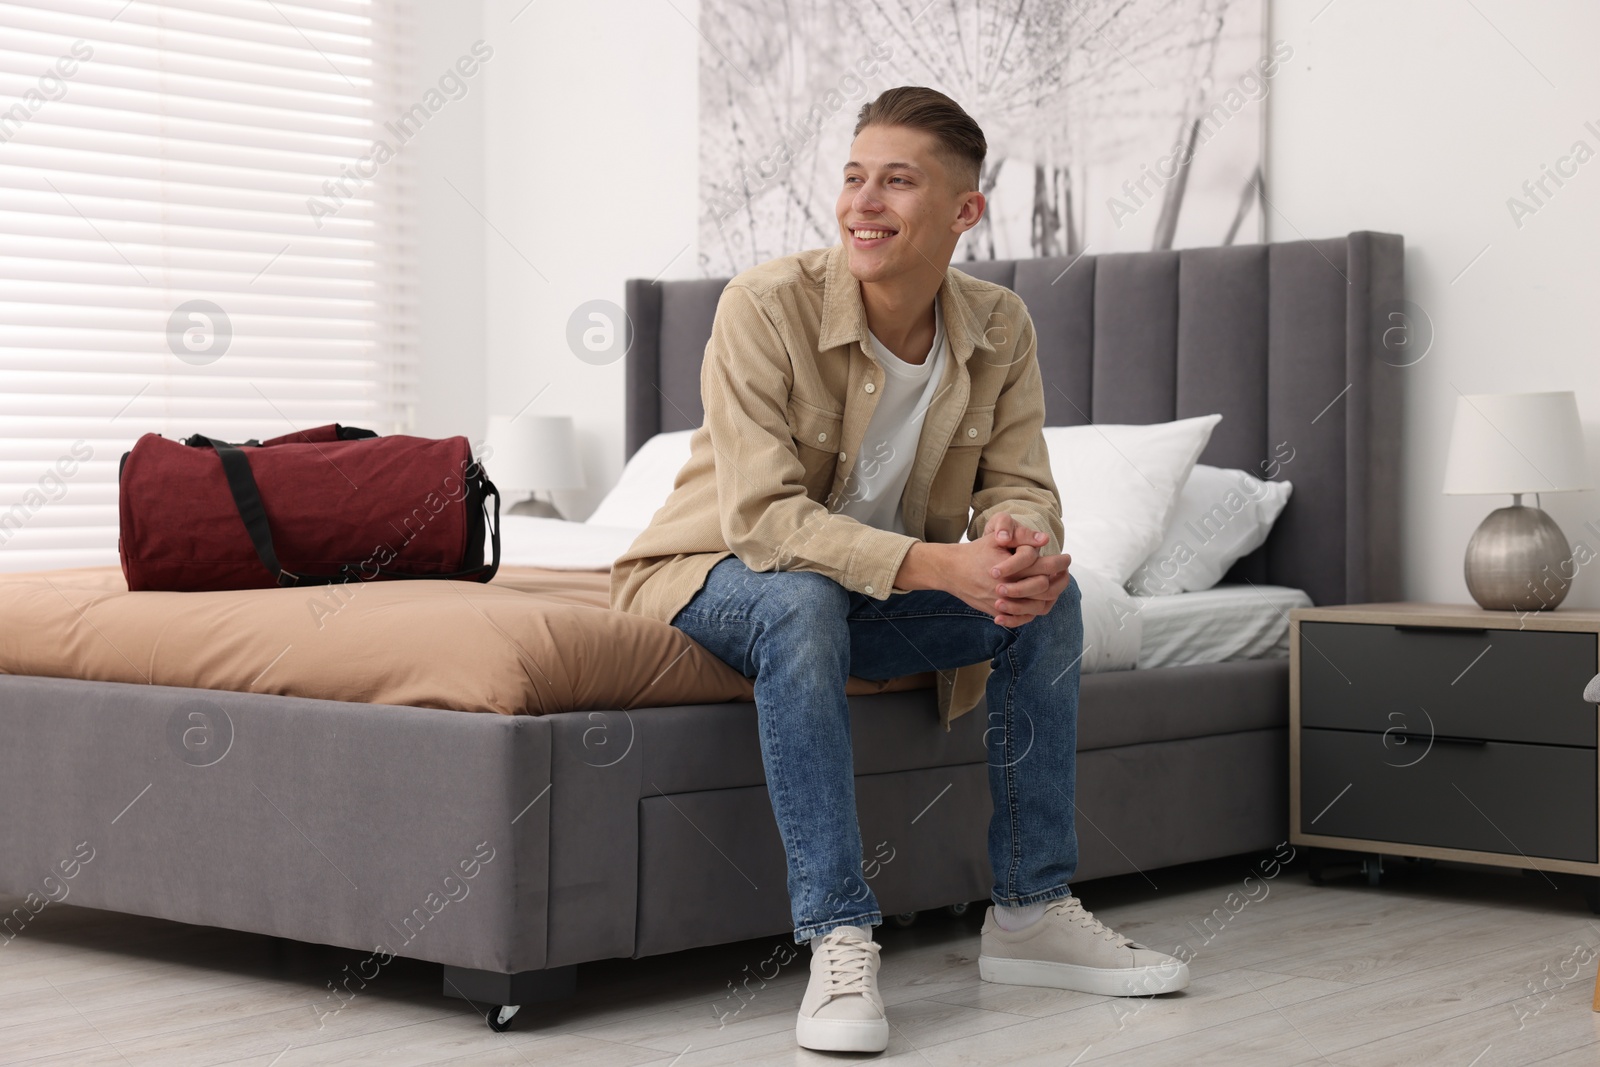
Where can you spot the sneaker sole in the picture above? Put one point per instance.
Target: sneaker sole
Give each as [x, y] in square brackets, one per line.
[1106, 982]
[842, 1035]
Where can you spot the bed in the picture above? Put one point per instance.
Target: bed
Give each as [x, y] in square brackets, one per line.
[511, 848]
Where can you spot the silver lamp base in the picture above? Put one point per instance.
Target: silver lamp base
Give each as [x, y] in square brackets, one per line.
[1515, 561]
[542, 509]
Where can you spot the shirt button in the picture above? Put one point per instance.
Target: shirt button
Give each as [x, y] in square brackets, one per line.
[972, 431]
[841, 457]
[822, 437]
[871, 388]
[867, 590]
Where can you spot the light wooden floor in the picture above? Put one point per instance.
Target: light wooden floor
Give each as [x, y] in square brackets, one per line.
[1435, 967]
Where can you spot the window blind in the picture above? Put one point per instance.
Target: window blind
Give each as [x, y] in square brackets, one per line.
[196, 236]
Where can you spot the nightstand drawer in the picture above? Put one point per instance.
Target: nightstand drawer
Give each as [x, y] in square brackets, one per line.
[1500, 685]
[1535, 800]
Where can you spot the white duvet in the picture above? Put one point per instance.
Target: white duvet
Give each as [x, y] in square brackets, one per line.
[1112, 630]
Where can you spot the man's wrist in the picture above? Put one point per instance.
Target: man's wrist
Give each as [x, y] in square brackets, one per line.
[922, 567]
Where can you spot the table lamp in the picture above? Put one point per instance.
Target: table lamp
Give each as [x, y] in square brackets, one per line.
[532, 454]
[1517, 443]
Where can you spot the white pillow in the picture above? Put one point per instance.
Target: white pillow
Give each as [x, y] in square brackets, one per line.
[646, 482]
[1222, 516]
[1119, 486]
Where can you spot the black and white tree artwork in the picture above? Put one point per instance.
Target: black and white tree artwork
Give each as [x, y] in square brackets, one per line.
[1113, 125]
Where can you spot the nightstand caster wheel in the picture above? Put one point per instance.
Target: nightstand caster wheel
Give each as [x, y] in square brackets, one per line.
[500, 1017]
[1372, 867]
[1591, 893]
[955, 911]
[1422, 863]
[1314, 865]
[904, 920]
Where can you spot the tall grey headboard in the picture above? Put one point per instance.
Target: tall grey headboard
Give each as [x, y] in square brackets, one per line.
[1285, 340]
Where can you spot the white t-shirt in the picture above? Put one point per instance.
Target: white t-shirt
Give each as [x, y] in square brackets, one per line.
[872, 493]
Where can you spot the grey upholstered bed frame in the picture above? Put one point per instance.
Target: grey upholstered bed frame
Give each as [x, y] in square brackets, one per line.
[629, 834]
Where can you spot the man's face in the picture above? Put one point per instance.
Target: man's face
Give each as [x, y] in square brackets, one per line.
[899, 209]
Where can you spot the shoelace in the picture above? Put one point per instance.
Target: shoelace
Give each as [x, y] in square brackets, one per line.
[847, 963]
[1076, 912]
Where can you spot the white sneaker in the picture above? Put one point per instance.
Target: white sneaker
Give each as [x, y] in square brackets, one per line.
[842, 1011]
[1070, 949]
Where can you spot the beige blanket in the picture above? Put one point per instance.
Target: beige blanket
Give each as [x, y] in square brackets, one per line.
[529, 643]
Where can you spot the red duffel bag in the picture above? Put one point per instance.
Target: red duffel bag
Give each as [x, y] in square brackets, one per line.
[317, 507]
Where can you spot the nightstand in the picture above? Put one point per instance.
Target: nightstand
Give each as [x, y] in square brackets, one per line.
[1446, 732]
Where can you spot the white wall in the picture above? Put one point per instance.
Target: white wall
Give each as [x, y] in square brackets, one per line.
[1422, 118]
[1418, 118]
[453, 372]
[590, 180]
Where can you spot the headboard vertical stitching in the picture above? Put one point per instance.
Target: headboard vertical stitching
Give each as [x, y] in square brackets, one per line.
[1369, 502]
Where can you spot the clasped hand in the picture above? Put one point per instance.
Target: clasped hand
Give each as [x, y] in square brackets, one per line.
[1004, 574]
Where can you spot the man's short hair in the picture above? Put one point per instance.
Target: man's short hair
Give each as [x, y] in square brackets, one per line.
[961, 141]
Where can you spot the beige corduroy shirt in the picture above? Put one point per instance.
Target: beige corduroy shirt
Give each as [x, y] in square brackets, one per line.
[789, 389]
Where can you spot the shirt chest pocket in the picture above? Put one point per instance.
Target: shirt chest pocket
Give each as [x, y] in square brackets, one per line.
[974, 429]
[950, 496]
[818, 437]
[813, 427]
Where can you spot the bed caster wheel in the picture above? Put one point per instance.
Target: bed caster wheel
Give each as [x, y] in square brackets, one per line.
[1372, 867]
[904, 920]
[956, 911]
[499, 1018]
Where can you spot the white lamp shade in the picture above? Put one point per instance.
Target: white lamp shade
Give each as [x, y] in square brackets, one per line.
[1516, 443]
[533, 453]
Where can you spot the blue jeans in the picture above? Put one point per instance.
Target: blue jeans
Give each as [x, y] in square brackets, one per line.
[800, 635]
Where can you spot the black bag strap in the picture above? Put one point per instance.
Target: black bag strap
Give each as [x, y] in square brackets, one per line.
[346, 433]
[247, 499]
[198, 440]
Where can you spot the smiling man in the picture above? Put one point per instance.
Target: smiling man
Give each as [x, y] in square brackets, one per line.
[866, 406]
